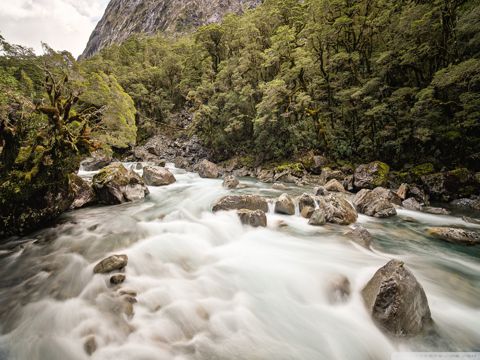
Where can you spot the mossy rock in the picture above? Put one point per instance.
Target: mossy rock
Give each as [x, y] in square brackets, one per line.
[370, 176]
[422, 170]
[462, 175]
[294, 168]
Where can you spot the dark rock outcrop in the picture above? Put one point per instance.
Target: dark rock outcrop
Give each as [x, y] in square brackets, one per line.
[83, 192]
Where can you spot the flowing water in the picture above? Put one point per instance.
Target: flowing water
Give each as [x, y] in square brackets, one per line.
[209, 288]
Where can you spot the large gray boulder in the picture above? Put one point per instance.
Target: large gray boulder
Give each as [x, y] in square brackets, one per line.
[255, 218]
[456, 235]
[157, 176]
[412, 204]
[370, 176]
[334, 185]
[317, 218]
[360, 235]
[373, 203]
[285, 205]
[306, 200]
[82, 191]
[115, 184]
[230, 182]
[397, 301]
[207, 169]
[111, 263]
[238, 202]
[337, 209]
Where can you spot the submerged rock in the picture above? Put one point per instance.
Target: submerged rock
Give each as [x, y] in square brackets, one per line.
[338, 289]
[117, 279]
[334, 185]
[157, 176]
[230, 182]
[285, 205]
[338, 210]
[115, 184]
[279, 186]
[317, 218]
[238, 202]
[370, 176]
[456, 235]
[207, 169]
[111, 263]
[436, 210]
[464, 203]
[373, 203]
[82, 191]
[397, 301]
[90, 345]
[360, 235]
[255, 218]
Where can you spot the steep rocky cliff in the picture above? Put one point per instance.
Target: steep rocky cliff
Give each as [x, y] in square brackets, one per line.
[123, 18]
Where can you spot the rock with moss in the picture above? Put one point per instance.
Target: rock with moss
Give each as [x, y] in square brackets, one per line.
[115, 184]
[446, 186]
[370, 176]
[83, 192]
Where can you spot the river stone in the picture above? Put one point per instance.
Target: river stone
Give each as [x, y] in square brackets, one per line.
[436, 210]
[90, 345]
[207, 169]
[338, 289]
[397, 301]
[370, 176]
[456, 235]
[238, 202]
[279, 186]
[111, 263]
[115, 184]
[82, 191]
[334, 185]
[285, 205]
[389, 195]
[230, 182]
[402, 191]
[360, 235]
[338, 210]
[317, 218]
[418, 194]
[307, 212]
[255, 218]
[157, 176]
[471, 220]
[305, 200]
[329, 174]
[372, 203]
[473, 204]
[117, 279]
[320, 191]
[412, 204]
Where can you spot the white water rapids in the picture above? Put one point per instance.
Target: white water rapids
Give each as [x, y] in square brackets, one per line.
[209, 288]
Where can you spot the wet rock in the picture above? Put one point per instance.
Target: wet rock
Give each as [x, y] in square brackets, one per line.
[412, 204]
[306, 200]
[360, 235]
[372, 203]
[279, 186]
[182, 163]
[418, 194]
[338, 289]
[389, 195]
[157, 176]
[307, 212]
[320, 191]
[473, 204]
[317, 218]
[238, 202]
[287, 177]
[402, 191]
[337, 210]
[471, 220]
[370, 176]
[435, 210]
[96, 162]
[329, 174]
[265, 175]
[82, 191]
[334, 185]
[90, 345]
[397, 301]
[347, 183]
[111, 263]
[255, 218]
[318, 163]
[117, 279]
[230, 182]
[115, 184]
[207, 169]
[285, 205]
[456, 235]
[445, 186]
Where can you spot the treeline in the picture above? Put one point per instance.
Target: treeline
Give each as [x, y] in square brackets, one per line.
[394, 80]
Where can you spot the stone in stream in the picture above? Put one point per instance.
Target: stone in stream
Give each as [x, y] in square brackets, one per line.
[230, 182]
[82, 191]
[285, 205]
[412, 204]
[317, 218]
[456, 235]
[255, 218]
[397, 301]
[360, 235]
[464, 203]
[373, 203]
[115, 184]
[111, 263]
[96, 162]
[435, 210]
[337, 209]
[338, 289]
[471, 220]
[305, 200]
[370, 176]
[117, 279]
[157, 176]
[402, 191]
[307, 212]
[238, 202]
[90, 345]
[279, 186]
[207, 169]
[334, 185]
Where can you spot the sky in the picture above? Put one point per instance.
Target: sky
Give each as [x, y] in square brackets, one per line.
[62, 24]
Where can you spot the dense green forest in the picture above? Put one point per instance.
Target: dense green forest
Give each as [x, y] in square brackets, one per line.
[396, 81]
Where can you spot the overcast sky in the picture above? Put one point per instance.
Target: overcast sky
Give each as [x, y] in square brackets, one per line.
[62, 24]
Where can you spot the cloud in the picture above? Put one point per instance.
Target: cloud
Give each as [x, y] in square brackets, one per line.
[62, 24]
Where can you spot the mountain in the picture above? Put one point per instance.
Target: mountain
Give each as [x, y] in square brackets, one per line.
[123, 18]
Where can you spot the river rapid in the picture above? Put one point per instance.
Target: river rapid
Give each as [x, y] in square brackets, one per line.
[203, 286]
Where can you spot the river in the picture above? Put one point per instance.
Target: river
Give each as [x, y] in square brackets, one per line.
[202, 286]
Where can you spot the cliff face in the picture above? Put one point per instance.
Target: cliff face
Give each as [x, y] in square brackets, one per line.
[123, 18]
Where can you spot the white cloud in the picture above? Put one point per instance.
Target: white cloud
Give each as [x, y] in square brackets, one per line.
[62, 24]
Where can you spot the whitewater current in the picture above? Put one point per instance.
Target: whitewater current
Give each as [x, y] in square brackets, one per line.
[203, 286]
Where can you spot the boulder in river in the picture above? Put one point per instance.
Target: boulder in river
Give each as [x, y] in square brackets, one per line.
[238, 202]
[329, 174]
[360, 235]
[230, 182]
[157, 176]
[412, 204]
[338, 289]
[465, 203]
[82, 190]
[370, 176]
[397, 301]
[285, 205]
[115, 184]
[317, 218]
[279, 186]
[111, 263]
[334, 185]
[255, 218]
[207, 169]
[435, 210]
[338, 210]
[373, 203]
[307, 212]
[456, 235]
[306, 200]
